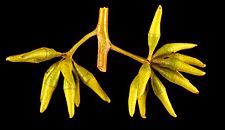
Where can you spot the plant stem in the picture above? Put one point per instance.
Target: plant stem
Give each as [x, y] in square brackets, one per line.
[103, 39]
[126, 53]
[85, 38]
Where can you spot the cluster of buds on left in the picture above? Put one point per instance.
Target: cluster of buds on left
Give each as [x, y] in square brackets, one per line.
[71, 71]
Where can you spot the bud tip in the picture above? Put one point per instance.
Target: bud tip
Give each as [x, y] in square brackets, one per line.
[196, 91]
[8, 58]
[108, 100]
[143, 116]
[160, 7]
[42, 109]
[70, 116]
[174, 115]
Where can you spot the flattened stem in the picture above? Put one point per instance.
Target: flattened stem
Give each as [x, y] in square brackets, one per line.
[103, 39]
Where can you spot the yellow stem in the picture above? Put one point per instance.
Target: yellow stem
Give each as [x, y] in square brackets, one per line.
[85, 38]
[126, 53]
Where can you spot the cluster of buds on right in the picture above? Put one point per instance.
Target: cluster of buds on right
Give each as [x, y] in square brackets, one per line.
[169, 64]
